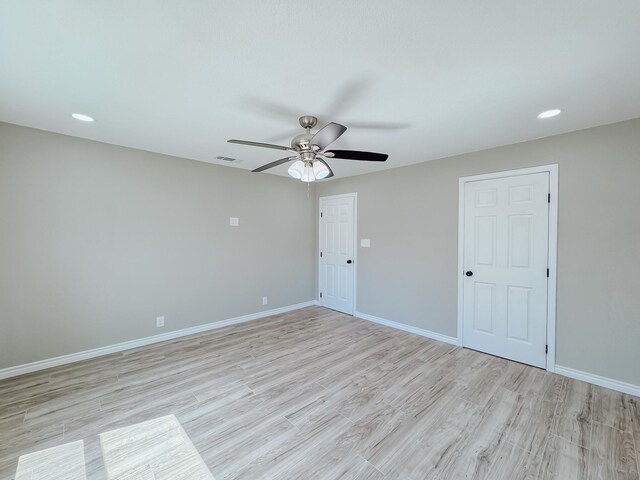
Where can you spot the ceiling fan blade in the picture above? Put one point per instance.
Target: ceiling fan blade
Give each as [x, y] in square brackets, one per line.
[357, 155]
[272, 109]
[321, 160]
[274, 164]
[378, 125]
[327, 135]
[348, 96]
[259, 144]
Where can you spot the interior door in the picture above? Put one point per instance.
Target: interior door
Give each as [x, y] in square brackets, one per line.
[337, 234]
[506, 242]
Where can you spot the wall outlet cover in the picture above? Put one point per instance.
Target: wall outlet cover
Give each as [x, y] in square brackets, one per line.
[234, 221]
[265, 300]
[159, 322]
[365, 242]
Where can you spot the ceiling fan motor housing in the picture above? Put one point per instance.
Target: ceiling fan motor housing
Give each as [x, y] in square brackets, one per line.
[301, 142]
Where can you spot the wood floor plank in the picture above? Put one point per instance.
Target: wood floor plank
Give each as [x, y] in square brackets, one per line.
[533, 417]
[634, 410]
[437, 441]
[484, 441]
[573, 416]
[361, 470]
[611, 408]
[564, 460]
[612, 455]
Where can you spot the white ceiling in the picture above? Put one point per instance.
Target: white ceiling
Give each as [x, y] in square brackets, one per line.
[182, 77]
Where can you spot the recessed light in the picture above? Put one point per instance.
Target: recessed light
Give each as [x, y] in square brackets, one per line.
[82, 117]
[550, 113]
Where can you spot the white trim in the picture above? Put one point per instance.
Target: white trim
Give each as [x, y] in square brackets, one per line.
[355, 245]
[605, 382]
[553, 248]
[119, 347]
[408, 328]
[553, 262]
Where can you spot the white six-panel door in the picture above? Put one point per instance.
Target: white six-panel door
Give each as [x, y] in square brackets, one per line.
[337, 262]
[506, 241]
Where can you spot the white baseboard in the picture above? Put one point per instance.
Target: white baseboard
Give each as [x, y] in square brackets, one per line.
[408, 328]
[100, 351]
[119, 347]
[560, 370]
[606, 382]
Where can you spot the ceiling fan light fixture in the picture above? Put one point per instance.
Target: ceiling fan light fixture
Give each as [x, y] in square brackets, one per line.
[308, 175]
[320, 170]
[296, 169]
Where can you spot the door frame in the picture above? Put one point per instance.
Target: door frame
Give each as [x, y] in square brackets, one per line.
[552, 252]
[355, 245]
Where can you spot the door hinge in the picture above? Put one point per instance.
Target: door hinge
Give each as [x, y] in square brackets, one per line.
[547, 273]
[320, 294]
[321, 255]
[546, 349]
[320, 214]
[549, 198]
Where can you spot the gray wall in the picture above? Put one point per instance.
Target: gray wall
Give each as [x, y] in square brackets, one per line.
[97, 240]
[409, 274]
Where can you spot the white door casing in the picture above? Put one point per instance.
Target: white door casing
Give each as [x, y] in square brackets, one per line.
[505, 245]
[337, 252]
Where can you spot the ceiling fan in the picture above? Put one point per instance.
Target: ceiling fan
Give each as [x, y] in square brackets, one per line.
[308, 150]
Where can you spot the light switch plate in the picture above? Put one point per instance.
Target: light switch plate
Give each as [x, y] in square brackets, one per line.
[234, 221]
[365, 242]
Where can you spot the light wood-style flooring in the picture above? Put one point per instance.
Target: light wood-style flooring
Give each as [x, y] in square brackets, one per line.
[314, 394]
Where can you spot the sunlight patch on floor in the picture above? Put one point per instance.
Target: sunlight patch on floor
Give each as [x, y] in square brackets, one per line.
[158, 449]
[64, 462]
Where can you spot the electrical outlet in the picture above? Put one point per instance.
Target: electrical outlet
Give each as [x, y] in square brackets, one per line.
[159, 322]
[365, 242]
[234, 221]
[265, 300]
